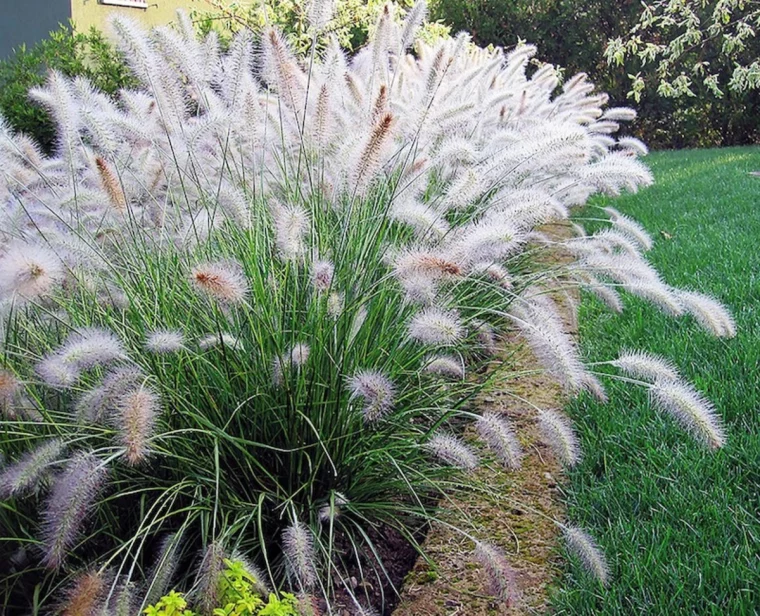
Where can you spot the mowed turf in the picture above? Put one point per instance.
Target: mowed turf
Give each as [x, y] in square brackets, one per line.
[680, 526]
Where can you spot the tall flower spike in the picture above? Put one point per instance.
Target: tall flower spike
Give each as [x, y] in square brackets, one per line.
[496, 433]
[300, 559]
[29, 272]
[111, 185]
[82, 350]
[10, 388]
[86, 595]
[709, 313]
[73, 494]
[691, 409]
[453, 451]
[376, 390]
[559, 435]
[501, 576]
[580, 543]
[223, 281]
[209, 573]
[135, 417]
[291, 225]
[25, 474]
[643, 365]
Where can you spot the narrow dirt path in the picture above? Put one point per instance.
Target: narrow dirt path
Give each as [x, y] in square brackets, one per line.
[516, 512]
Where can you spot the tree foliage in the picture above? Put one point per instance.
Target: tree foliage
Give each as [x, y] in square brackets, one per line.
[688, 47]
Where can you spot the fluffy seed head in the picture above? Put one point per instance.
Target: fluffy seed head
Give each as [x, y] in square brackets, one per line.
[580, 543]
[29, 272]
[165, 341]
[445, 365]
[453, 451]
[291, 224]
[136, 417]
[436, 327]
[300, 558]
[209, 574]
[25, 474]
[691, 409]
[322, 275]
[214, 340]
[73, 494]
[82, 350]
[643, 365]
[222, 281]
[376, 390]
[496, 433]
[559, 435]
[86, 595]
[501, 576]
[10, 387]
[709, 313]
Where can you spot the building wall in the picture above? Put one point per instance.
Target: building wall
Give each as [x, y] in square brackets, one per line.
[88, 13]
[29, 21]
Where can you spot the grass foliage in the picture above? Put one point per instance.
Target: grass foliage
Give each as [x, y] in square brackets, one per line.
[680, 528]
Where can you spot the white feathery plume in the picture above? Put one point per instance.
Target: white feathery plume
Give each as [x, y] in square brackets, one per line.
[580, 543]
[445, 365]
[501, 576]
[452, 450]
[708, 312]
[413, 20]
[135, 418]
[82, 350]
[691, 409]
[619, 114]
[634, 230]
[300, 557]
[594, 386]
[224, 339]
[376, 390]
[558, 433]
[291, 223]
[494, 430]
[322, 275]
[634, 145]
[423, 219]
[73, 494]
[163, 341]
[222, 281]
[295, 358]
[435, 326]
[29, 271]
[643, 365]
[320, 13]
[25, 474]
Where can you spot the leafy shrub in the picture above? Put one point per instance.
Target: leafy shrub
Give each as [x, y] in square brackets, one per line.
[73, 54]
[351, 22]
[238, 596]
[242, 305]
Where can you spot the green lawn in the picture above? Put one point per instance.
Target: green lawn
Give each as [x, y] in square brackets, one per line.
[680, 526]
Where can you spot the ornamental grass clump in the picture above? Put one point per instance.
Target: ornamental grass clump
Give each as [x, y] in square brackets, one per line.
[247, 307]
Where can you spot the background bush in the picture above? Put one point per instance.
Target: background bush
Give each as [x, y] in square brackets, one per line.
[573, 34]
[73, 54]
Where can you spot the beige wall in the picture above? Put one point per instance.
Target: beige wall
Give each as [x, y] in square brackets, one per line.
[88, 13]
